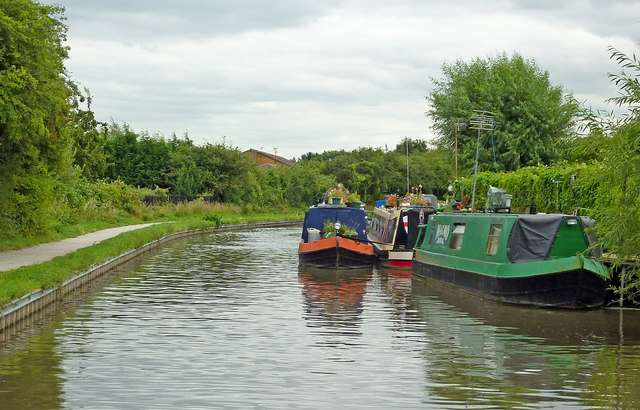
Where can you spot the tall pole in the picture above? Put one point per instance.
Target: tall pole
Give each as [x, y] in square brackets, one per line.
[406, 140]
[475, 172]
[457, 126]
[456, 132]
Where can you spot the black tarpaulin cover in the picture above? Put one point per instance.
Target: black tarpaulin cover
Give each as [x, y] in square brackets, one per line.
[532, 238]
[401, 234]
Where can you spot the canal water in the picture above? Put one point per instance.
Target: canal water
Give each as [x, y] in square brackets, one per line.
[229, 320]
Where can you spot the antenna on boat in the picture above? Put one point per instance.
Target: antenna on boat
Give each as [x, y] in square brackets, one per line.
[481, 121]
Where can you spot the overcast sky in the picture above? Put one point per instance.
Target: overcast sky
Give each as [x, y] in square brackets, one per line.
[317, 75]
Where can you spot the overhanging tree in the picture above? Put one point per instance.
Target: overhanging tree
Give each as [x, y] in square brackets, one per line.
[617, 210]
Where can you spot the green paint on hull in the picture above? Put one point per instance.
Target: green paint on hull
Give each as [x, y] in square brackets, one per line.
[510, 270]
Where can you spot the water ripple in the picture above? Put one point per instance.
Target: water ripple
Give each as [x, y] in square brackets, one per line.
[230, 320]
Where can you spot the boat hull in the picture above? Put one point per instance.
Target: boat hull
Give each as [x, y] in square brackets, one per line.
[576, 288]
[399, 258]
[336, 252]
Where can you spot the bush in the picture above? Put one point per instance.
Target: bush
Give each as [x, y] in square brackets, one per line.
[213, 217]
[561, 188]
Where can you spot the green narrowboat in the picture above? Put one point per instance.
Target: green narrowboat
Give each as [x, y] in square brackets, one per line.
[538, 260]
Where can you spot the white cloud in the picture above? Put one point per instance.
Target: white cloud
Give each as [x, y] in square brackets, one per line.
[303, 75]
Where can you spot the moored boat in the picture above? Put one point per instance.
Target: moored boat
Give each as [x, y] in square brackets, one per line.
[393, 234]
[539, 260]
[335, 236]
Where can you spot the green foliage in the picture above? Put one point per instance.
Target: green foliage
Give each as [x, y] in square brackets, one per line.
[28, 202]
[35, 140]
[618, 199]
[88, 143]
[433, 169]
[117, 196]
[374, 172]
[300, 185]
[618, 210]
[139, 160]
[213, 217]
[306, 184]
[412, 145]
[60, 165]
[340, 191]
[329, 229]
[352, 197]
[554, 189]
[226, 173]
[535, 117]
[628, 83]
[175, 164]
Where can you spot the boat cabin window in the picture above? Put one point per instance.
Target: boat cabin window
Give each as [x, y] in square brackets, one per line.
[432, 233]
[494, 239]
[377, 226]
[457, 235]
[442, 234]
[390, 231]
[422, 233]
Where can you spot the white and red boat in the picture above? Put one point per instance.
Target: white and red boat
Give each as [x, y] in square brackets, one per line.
[393, 233]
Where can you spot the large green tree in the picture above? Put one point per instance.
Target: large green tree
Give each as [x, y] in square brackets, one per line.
[534, 118]
[218, 170]
[35, 143]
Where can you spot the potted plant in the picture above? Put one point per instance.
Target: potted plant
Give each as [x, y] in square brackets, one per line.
[353, 200]
[416, 198]
[336, 196]
[345, 230]
[392, 200]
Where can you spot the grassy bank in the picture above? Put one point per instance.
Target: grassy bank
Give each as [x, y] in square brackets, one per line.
[19, 282]
[91, 220]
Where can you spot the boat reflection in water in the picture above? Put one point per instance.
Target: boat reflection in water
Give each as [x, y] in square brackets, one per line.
[503, 355]
[333, 298]
[397, 282]
[554, 326]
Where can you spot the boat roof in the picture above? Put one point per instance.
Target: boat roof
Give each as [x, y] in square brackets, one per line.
[530, 237]
[507, 215]
[415, 216]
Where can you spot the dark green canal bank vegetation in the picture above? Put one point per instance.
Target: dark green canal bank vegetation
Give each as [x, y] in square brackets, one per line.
[65, 173]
